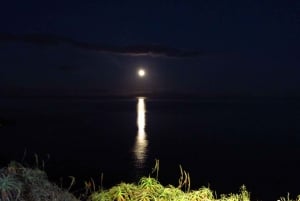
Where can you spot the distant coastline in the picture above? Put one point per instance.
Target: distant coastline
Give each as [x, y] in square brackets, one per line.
[165, 95]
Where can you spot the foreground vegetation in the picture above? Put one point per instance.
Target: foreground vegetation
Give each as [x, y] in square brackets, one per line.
[18, 183]
[150, 189]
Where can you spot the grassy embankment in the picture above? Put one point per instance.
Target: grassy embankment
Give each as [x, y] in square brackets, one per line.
[18, 183]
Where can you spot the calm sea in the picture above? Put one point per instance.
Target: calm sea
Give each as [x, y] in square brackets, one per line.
[221, 143]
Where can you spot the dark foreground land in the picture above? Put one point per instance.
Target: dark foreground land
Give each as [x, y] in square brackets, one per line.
[31, 184]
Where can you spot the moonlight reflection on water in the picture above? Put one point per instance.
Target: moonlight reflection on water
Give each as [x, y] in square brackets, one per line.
[140, 147]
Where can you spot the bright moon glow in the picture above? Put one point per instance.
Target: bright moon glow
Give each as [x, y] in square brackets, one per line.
[141, 116]
[141, 72]
[140, 148]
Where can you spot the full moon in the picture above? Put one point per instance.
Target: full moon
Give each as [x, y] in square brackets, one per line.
[141, 72]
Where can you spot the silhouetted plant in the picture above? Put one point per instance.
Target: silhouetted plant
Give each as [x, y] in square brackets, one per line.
[184, 180]
[288, 198]
[10, 187]
[244, 194]
[156, 168]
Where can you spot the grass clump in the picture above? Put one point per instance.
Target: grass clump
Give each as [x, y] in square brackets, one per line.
[150, 189]
[10, 187]
[18, 183]
[243, 195]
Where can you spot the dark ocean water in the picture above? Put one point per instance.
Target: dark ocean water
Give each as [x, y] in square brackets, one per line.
[221, 143]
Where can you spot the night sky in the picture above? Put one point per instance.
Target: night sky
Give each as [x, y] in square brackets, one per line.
[203, 47]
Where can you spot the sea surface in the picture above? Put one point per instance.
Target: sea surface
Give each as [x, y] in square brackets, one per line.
[223, 144]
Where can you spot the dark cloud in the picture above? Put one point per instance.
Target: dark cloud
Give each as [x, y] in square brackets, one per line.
[135, 50]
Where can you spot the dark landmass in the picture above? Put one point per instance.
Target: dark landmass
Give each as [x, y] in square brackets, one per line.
[152, 95]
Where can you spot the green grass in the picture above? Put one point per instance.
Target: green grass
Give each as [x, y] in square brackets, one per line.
[149, 189]
[18, 183]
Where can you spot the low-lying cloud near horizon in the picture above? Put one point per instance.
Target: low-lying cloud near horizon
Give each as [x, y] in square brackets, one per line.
[134, 50]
